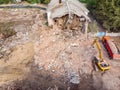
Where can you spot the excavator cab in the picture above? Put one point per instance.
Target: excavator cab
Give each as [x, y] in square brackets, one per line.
[99, 62]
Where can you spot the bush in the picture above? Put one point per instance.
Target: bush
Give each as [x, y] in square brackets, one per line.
[6, 1]
[29, 1]
[46, 1]
[38, 1]
[90, 3]
[34, 1]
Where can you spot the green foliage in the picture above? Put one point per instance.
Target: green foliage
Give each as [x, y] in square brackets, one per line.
[107, 12]
[46, 1]
[6, 1]
[90, 3]
[34, 1]
[29, 1]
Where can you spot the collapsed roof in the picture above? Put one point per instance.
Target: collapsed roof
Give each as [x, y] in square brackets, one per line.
[67, 7]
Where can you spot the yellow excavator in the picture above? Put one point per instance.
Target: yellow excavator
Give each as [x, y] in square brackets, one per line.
[99, 62]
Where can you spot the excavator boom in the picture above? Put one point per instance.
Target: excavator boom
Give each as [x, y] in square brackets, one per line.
[99, 48]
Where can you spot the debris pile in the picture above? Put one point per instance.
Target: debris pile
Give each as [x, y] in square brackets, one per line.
[49, 58]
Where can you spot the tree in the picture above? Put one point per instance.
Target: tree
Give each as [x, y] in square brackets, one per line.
[6, 1]
[107, 12]
[29, 1]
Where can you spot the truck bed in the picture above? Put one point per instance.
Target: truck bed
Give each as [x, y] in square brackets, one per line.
[113, 46]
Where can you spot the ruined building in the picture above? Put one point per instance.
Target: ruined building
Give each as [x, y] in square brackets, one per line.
[68, 14]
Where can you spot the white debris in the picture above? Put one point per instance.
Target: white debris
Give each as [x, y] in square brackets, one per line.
[74, 78]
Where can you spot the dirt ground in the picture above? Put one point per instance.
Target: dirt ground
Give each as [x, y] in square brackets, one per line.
[116, 41]
[39, 57]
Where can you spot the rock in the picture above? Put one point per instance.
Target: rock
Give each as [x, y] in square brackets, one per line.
[53, 71]
[74, 45]
[74, 78]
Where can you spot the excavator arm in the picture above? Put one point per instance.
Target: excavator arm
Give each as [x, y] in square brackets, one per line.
[100, 62]
[99, 48]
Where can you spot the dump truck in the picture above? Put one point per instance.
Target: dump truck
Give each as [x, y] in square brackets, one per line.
[99, 62]
[111, 47]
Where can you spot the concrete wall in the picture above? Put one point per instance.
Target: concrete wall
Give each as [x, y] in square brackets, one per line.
[50, 21]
